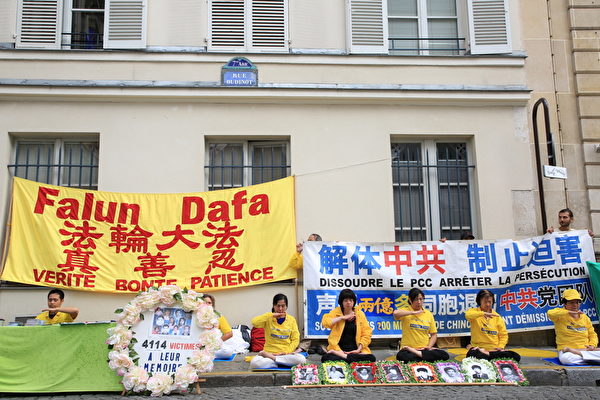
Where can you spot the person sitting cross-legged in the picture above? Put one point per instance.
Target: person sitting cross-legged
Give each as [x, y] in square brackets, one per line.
[576, 339]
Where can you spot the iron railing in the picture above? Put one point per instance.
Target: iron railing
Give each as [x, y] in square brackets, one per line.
[427, 46]
[81, 40]
[231, 176]
[71, 169]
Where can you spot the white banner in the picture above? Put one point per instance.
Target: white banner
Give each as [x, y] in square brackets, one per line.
[527, 276]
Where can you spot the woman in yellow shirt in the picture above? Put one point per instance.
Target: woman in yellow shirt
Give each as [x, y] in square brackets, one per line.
[226, 333]
[576, 339]
[419, 333]
[350, 334]
[488, 330]
[281, 337]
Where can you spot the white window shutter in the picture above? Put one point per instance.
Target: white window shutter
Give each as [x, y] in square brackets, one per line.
[227, 25]
[39, 24]
[125, 24]
[367, 26]
[489, 27]
[269, 25]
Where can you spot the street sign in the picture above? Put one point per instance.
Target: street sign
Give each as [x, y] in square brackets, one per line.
[551, 171]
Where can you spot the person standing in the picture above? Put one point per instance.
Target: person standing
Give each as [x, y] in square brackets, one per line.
[565, 218]
[297, 262]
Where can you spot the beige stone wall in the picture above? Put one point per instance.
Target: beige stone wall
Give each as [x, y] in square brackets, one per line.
[343, 186]
[152, 139]
[584, 17]
[561, 34]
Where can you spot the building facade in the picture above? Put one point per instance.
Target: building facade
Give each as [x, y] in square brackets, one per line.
[401, 120]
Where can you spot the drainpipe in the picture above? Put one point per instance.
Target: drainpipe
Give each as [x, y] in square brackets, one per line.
[550, 150]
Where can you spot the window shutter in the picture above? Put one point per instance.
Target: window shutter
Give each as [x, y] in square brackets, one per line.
[227, 25]
[39, 24]
[367, 26]
[125, 24]
[269, 27]
[489, 28]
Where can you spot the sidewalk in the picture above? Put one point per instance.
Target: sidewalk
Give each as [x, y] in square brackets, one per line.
[537, 371]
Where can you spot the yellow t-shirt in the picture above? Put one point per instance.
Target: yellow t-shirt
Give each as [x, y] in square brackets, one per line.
[296, 262]
[59, 318]
[487, 333]
[224, 326]
[279, 338]
[416, 329]
[570, 332]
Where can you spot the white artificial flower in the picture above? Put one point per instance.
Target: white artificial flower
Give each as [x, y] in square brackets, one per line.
[147, 300]
[135, 379]
[184, 377]
[119, 337]
[159, 384]
[211, 338]
[119, 360]
[190, 301]
[167, 294]
[202, 360]
[206, 316]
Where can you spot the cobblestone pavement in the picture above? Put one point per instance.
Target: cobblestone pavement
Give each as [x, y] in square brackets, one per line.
[337, 393]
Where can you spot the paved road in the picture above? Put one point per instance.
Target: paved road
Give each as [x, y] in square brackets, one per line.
[345, 393]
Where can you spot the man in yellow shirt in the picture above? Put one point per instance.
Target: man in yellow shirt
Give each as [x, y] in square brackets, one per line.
[297, 262]
[56, 313]
[576, 339]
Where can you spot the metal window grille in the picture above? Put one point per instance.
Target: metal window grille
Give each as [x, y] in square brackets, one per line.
[412, 46]
[241, 164]
[58, 162]
[432, 196]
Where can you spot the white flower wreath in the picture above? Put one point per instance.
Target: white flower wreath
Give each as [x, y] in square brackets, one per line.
[123, 358]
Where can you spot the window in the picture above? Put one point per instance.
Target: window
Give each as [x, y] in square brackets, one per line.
[87, 24]
[248, 25]
[428, 27]
[58, 162]
[432, 190]
[81, 24]
[237, 164]
[423, 27]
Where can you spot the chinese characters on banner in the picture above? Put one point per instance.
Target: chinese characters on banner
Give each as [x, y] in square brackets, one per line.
[126, 242]
[527, 278]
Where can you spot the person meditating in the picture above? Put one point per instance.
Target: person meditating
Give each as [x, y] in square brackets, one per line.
[226, 333]
[56, 313]
[419, 333]
[350, 334]
[576, 339]
[281, 337]
[488, 330]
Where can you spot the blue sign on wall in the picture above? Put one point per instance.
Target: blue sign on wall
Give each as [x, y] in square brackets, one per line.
[239, 71]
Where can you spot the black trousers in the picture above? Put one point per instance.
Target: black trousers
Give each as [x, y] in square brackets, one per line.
[428, 355]
[494, 354]
[354, 357]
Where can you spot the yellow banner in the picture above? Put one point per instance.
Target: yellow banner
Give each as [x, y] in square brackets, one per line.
[127, 242]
